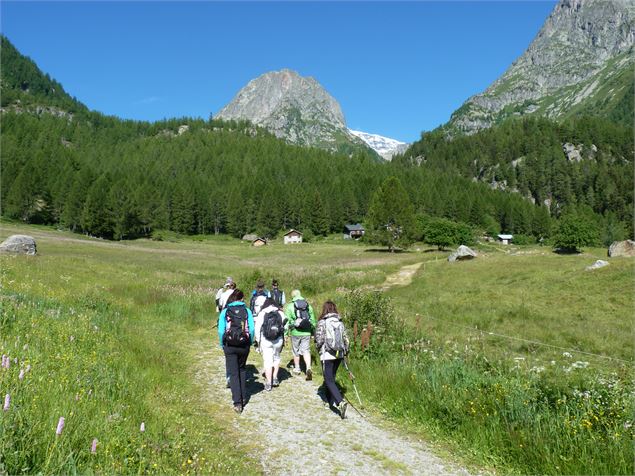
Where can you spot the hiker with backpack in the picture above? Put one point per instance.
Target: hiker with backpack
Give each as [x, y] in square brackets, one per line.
[258, 297]
[236, 333]
[332, 344]
[301, 324]
[222, 302]
[277, 294]
[270, 327]
[225, 291]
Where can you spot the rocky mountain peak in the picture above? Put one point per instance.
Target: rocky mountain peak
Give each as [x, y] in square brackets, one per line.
[582, 53]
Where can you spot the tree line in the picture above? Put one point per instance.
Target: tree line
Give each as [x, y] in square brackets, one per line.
[126, 179]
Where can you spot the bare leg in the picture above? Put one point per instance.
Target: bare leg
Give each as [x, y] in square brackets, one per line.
[307, 360]
[276, 367]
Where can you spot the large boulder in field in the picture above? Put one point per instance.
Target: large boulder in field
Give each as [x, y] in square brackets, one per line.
[462, 253]
[622, 248]
[21, 244]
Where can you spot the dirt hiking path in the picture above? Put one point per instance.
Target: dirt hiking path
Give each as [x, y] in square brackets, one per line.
[296, 433]
[403, 277]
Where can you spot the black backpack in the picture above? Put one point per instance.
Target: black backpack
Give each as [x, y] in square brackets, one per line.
[276, 295]
[272, 326]
[303, 319]
[237, 328]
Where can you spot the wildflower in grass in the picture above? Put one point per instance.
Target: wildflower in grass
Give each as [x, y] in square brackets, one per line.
[71, 338]
[60, 426]
[93, 447]
[7, 402]
[28, 367]
[580, 365]
[142, 428]
[566, 354]
[21, 376]
[6, 362]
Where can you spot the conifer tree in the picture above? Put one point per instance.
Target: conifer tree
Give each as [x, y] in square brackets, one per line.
[390, 220]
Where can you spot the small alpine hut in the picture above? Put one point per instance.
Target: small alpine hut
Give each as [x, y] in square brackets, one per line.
[292, 236]
[354, 232]
[505, 239]
[259, 242]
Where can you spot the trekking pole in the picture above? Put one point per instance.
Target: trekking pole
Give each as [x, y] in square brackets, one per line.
[355, 408]
[352, 377]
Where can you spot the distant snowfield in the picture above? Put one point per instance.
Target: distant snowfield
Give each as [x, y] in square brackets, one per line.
[384, 146]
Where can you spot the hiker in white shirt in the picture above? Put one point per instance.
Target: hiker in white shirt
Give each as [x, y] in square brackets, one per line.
[270, 326]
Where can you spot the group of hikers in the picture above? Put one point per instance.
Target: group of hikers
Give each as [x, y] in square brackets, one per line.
[266, 323]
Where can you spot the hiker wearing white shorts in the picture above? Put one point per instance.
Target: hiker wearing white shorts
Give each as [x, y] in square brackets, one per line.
[301, 325]
[270, 326]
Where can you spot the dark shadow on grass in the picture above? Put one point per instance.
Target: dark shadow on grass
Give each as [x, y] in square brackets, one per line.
[253, 385]
[385, 250]
[566, 251]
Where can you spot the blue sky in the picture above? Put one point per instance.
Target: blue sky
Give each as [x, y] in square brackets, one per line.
[396, 68]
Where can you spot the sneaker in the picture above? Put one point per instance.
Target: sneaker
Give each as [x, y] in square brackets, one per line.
[268, 387]
[238, 408]
[227, 383]
[309, 374]
[342, 408]
[275, 382]
[296, 370]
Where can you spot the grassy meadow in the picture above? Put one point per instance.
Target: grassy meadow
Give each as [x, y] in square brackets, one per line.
[521, 357]
[105, 335]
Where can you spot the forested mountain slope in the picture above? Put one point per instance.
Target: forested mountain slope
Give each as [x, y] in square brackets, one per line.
[587, 161]
[108, 177]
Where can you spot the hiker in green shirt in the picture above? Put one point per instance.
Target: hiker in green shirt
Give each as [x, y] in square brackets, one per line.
[301, 325]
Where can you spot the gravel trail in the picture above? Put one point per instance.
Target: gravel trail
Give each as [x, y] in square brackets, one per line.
[308, 438]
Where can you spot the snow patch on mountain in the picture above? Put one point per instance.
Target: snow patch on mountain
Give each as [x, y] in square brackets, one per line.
[384, 146]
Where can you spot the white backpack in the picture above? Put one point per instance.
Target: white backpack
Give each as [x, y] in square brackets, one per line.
[335, 338]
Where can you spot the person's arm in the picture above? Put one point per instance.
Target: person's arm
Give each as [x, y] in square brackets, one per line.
[319, 335]
[250, 322]
[221, 326]
[258, 325]
[219, 293]
[312, 317]
[290, 317]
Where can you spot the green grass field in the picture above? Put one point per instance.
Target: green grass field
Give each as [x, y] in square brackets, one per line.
[109, 333]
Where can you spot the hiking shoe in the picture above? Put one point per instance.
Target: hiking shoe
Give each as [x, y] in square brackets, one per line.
[342, 408]
[275, 382]
[268, 387]
[309, 374]
[238, 408]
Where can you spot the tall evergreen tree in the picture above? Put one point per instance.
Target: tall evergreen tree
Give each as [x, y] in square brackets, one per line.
[390, 220]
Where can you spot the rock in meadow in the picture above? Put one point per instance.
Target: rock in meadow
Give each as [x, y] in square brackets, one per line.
[622, 248]
[462, 253]
[20, 244]
[598, 264]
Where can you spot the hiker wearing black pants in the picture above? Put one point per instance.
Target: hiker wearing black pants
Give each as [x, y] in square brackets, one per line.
[236, 334]
[332, 344]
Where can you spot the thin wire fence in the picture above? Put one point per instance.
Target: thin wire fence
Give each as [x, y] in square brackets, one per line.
[528, 341]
